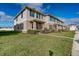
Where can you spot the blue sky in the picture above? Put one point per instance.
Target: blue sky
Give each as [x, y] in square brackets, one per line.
[69, 13]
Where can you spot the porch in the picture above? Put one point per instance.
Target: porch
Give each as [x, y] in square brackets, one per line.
[36, 25]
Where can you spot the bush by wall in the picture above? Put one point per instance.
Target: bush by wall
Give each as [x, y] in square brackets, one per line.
[33, 31]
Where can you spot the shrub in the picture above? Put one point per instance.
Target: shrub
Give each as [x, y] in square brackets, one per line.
[33, 31]
[46, 30]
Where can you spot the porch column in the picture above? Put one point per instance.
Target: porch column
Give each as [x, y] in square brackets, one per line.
[43, 25]
[57, 28]
[34, 25]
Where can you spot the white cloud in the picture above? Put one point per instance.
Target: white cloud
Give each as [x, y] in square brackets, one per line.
[63, 19]
[66, 21]
[46, 9]
[70, 20]
[4, 17]
[77, 12]
[2, 13]
[37, 6]
[75, 20]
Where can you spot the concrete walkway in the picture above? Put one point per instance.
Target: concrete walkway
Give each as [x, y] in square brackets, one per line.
[75, 48]
[57, 36]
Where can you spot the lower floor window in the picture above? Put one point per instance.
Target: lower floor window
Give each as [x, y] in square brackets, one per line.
[19, 26]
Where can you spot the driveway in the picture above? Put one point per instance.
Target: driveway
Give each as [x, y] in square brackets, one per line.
[75, 48]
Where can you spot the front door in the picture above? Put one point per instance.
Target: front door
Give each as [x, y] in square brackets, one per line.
[38, 25]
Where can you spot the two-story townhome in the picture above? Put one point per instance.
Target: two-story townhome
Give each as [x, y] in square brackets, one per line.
[29, 18]
[53, 23]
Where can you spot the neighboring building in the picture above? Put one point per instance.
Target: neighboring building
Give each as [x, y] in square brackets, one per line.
[53, 23]
[73, 27]
[32, 19]
[6, 29]
[65, 27]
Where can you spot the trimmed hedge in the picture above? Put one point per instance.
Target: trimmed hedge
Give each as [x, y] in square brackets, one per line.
[46, 30]
[33, 31]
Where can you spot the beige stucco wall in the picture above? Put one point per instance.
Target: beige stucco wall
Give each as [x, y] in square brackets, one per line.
[21, 20]
[48, 22]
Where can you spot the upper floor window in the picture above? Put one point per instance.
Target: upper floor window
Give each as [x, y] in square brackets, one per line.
[32, 13]
[37, 15]
[56, 20]
[42, 16]
[50, 19]
[17, 19]
[22, 15]
[53, 19]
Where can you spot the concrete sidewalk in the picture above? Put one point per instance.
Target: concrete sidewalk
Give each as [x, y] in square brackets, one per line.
[75, 48]
[58, 36]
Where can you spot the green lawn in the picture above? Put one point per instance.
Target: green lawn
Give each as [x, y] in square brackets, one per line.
[14, 43]
[66, 34]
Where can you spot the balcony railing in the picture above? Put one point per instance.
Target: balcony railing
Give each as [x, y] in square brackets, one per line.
[37, 19]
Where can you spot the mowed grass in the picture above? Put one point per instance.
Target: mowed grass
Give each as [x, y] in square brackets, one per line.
[65, 34]
[20, 44]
